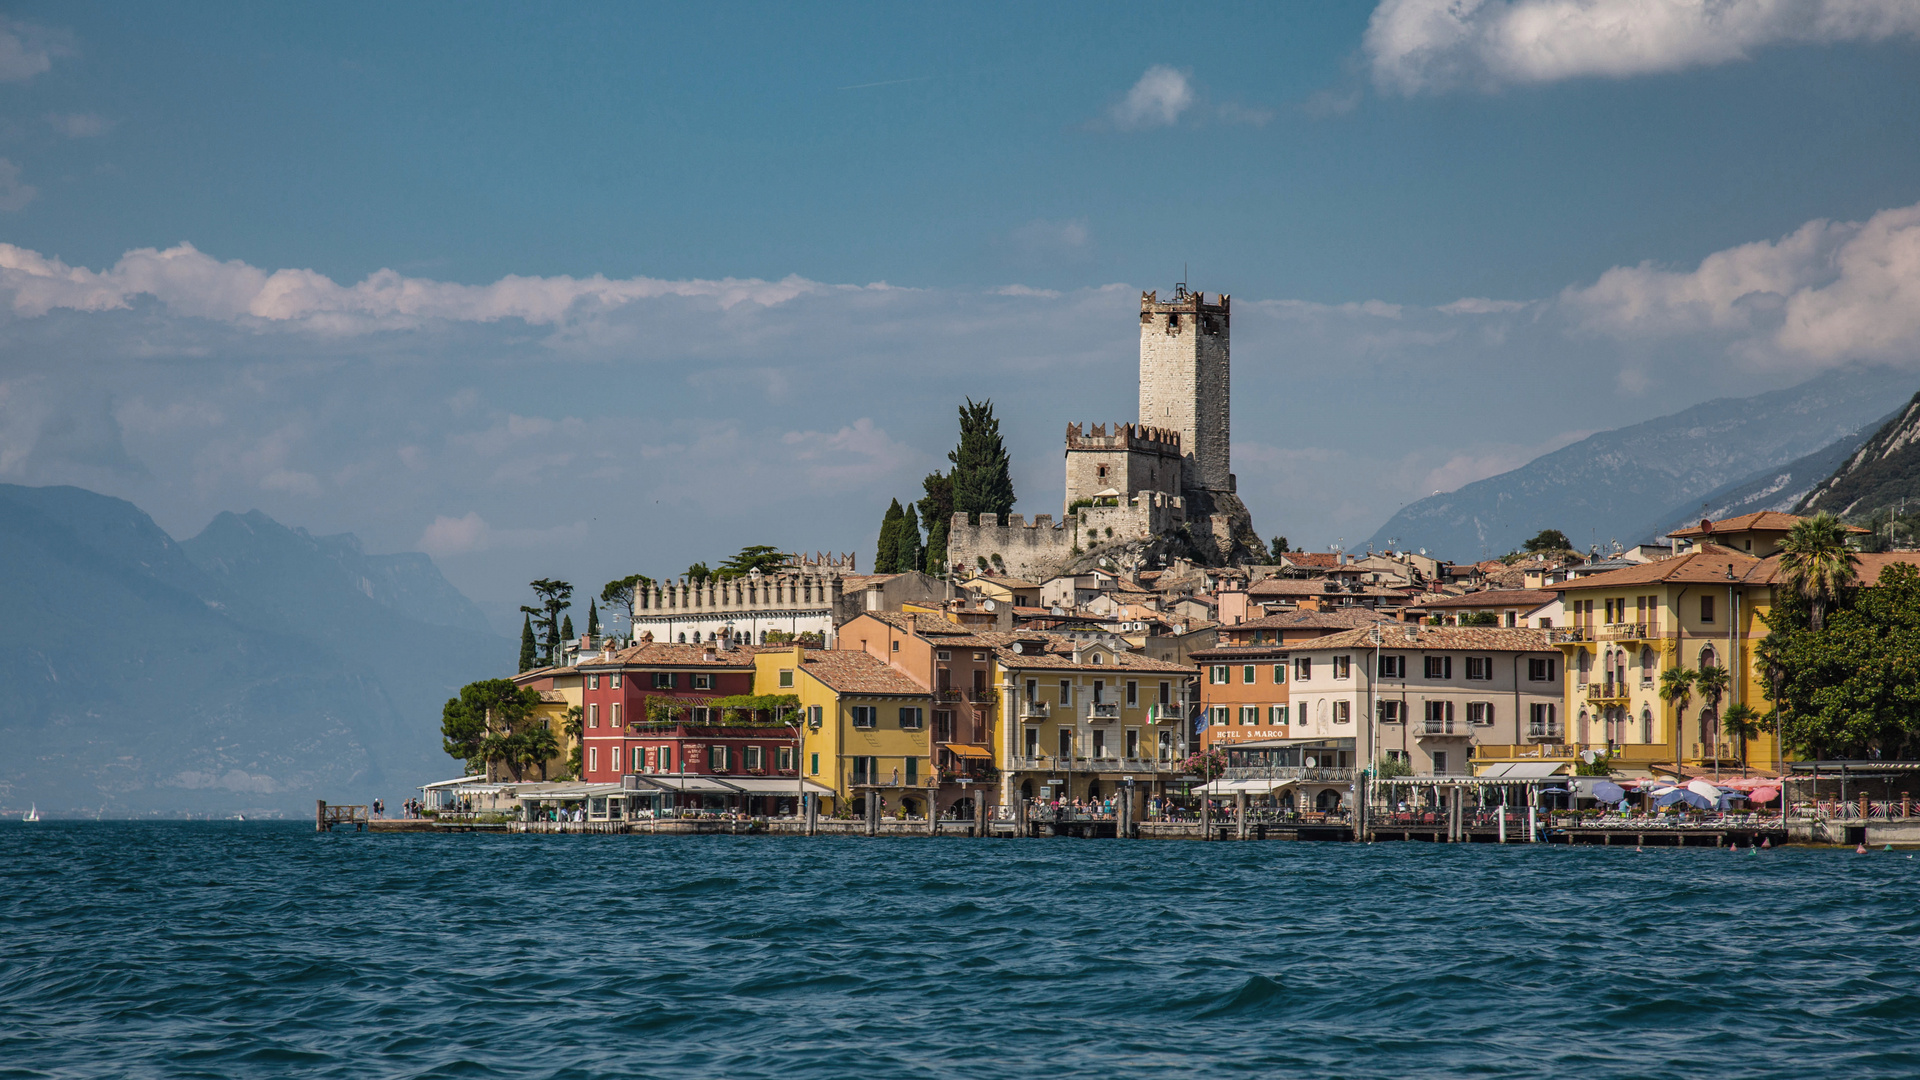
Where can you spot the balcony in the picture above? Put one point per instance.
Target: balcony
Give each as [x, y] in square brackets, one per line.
[1607, 693]
[1033, 710]
[1548, 732]
[1100, 764]
[1442, 729]
[1101, 711]
[1290, 772]
[1625, 631]
[948, 695]
[983, 697]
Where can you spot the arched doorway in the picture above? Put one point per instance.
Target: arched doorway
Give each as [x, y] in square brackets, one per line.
[962, 808]
[910, 807]
[1093, 790]
[1327, 800]
[1026, 789]
[859, 806]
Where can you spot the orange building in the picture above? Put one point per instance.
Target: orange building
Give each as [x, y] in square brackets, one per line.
[1243, 680]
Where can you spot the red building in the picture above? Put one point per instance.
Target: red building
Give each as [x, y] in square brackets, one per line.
[648, 712]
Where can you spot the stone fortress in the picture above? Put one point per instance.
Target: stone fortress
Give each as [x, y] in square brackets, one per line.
[1139, 492]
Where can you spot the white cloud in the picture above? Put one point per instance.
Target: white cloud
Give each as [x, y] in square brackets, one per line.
[1424, 46]
[857, 455]
[1827, 293]
[28, 49]
[1480, 305]
[1157, 100]
[14, 194]
[79, 125]
[191, 283]
[454, 536]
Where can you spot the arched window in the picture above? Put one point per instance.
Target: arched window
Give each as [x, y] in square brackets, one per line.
[1646, 725]
[683, 637]
[1709, 658]
[1585, 731]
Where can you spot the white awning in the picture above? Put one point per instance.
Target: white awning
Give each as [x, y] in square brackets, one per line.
[1523, 770]
[1247, 787]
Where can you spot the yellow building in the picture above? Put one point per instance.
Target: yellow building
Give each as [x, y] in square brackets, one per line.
[863, 726]
[561, 691]
[1081, 717]
[1624, 628]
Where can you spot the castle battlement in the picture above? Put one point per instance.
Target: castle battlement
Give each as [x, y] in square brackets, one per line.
[1125, 436]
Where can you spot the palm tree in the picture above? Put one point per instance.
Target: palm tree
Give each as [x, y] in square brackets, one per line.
[1816, 563]
[1712, 682]
[1676, 689]
[1743, 723]
[540, 746]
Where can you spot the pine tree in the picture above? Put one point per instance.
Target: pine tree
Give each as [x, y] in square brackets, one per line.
[982, 474]
[529, 649]
[936, 511]
[593, 620]
[909, 553]
[887, 555]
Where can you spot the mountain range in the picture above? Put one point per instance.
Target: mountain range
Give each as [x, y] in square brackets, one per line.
[1635, 483]
[250, 669]
[1882, 473]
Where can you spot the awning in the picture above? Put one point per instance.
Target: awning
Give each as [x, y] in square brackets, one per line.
[1277, 744]
[1523, 770]
[966, 751]
[772, 785]
[1245, 787]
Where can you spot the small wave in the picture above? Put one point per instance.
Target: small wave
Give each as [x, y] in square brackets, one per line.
[1258, 994]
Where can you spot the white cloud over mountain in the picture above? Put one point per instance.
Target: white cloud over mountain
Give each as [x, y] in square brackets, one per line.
[1428, 46]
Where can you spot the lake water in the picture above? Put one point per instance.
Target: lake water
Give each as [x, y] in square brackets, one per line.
[265, 950]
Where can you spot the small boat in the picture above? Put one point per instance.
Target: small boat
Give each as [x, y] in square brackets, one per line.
[33, 814]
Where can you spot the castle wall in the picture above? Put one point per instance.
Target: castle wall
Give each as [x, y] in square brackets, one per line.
[1185, 382]
[1043, 549]
[1136, 459]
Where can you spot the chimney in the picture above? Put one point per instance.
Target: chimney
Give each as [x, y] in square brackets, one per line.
[708, 654]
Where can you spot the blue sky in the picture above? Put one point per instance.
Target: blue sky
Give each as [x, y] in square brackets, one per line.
[1459, 235]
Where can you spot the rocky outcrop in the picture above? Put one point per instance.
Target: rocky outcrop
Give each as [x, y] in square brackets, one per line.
[1884, 472]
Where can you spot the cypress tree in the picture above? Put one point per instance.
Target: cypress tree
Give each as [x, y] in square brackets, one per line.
[982, 474]
[910, 552]
[566, 629]
[936, 511]
[529, 649]
[887, 555]
[593, 620]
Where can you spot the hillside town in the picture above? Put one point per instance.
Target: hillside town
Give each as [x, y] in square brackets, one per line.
[1146, 657]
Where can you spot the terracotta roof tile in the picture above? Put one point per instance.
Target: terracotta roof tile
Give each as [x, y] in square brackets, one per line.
[1520, 598]
[665, 654]
[850, 671]
[1466, 638]
[1710, 563]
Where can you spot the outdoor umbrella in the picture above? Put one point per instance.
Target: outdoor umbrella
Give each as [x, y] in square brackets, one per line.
[1682, 795]
[1764, 795]
[1607, 791]
[1703, 789]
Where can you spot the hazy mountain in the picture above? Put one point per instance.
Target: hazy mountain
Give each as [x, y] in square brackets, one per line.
[1781, 488]
[1884, 472]
[251, 669]
[1625, 484]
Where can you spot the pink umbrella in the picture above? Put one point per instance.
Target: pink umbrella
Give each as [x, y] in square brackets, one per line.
[1764, 795]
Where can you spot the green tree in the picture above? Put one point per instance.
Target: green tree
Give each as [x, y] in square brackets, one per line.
[698, 573]
[553, 597]
[1852, 688]
[982, 473]
[566, 628]
[887, 554]
[1479, 618]
[529, 649]
[761, 557]
[1676, 689]
[1816, 564]
[593, 619]
[936, 513]
[488, 722]
[1385, 768]
[539, 747]
[574, 728]
[625, 593]
[1547, 540]
[1742, 722]
[1712, 683]
[1279, 548]
[909, 554]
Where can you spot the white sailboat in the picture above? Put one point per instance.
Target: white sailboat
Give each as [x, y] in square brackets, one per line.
[33, 814]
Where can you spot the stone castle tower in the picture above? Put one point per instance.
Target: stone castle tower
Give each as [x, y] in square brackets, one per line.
[1186, 381]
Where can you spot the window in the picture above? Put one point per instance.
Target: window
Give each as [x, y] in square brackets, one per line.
[786, 678]
[863, 716]
[1706, 609]
[1542, 723]
[1066, 693]
[1479, 668]
[1033, 742]
[944, 654]
[865, 769]
[1218, 675]
[1439, 717]
[1480, 713]
[1543, 669]
[702, 680]
[783, 759]
[1279, 674]
[1246, 673]
[1398, 755]
[1510, 618]
[1133, 742]
[663, 680]
[1166, 693]
[1221, 715]
[1099, 692]
[1393, 667]
[1066, 743]
[1133, 694]
[979, 656]
[593, 759]
[913, 772]
[1343, 712]
[755, 758]
[1303, 712]
[1099, 742]
[1390, 712]
[896, 648]
[639, 759]
[593, 716]
[815, 716]
[700, 714]
[665, 756]
[813, 764]
[717, 759]
[615, 714]
[616, 680]
[1343, 667]
[1276, 714]
[1302, 668]
[1439, 667]
[1249, 715]
[911, 718]
[593, 682]
[1033, 691]
[1439, 763]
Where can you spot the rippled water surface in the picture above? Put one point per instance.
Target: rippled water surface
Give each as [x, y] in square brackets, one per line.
[251, 950]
